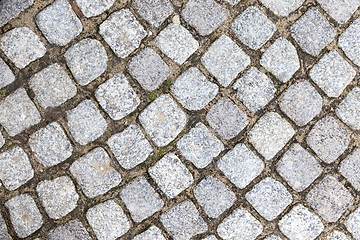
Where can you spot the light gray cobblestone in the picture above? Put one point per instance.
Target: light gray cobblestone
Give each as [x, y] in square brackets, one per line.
[6, 75]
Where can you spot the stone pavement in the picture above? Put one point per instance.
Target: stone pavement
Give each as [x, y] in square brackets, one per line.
[179, 119]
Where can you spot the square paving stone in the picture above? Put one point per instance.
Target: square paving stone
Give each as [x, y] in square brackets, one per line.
[154, 11]
[270, 134]
[52, 86]
[225, 60]
[183, 221]
[148, 68]
[171, 175]
[94, 173]
[204, 15]
[108, 220]
[117, 97]
[341, 11]
[153, 233]
[58, 196]
[91, 8]
[352, 224]
[193, 90]
[122, 32]
[226, 118]
[50, 145]
[24, 215]
[328, 139]
[15, 168]
[282, 7]
[312, 32]
[141, 199]
[349, 109]
[18, 112]
[87, 60]
[130, 147]
[70, 230]
[59, 23]
[177, 43]
[163, 120]
[6, 75]
[349, 41]
[85, 122]
[4, 235]
[350, 168]
[336, 235]
[253, 28]
[214, 196]
[12, 8]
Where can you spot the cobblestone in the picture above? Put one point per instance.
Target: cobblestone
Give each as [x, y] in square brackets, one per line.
[282, 7]
[71, 230]
[12, 8]
[154, 11]
[336, 235]
[6, 75]
[350, 168]
[92, 8]
[349, 42]
[352, 224]
[349, 109]
[341, 11]
[3, 230]
[152, 233]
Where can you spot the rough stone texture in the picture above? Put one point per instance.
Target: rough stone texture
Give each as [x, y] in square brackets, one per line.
[211, 237]
[226, 118]
[330, 199]
[148, 68]
[24, 214]
[152, 233]
[240, 225]
[204, 15]
[350, 168]
[163, 120]
[281, 59]
[71, 230]
[253, 28]
[225, 60]
[349, 41]
[94, 173]
[4, 235]
[200, 146]
[117, 97]
[328, 139]
[87, 60]
[254, 89]
[52, 86]
[15, 168]
[2, 140]
[108, 220]
[298, 167]
[349, 109]
[312, 32]
[341, 11]
[22, 46]
[177, 43]
[282, 7]
[122, 32]
[171, 175]
[85, 122]
[270, 134]
[336, 235]
[130, 147]
[50, 145]
[332, 74]
[61, 15]
[10, 9]
[301, 102]
[352, 224]
[154, 11]
[273, 237]
[91, 8]
[6, 75]
[141, 199]
[193, 90]
[183, 221]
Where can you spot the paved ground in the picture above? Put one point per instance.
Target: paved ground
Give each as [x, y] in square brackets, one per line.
[199, 119]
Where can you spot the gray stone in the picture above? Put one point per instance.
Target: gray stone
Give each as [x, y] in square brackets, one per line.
[233, 2]
[193, 90]
[211, 237]
[117, 97]
[154, 11]
[226, 118]
[2, 140]
[349, 41]
[148, 68]
[22, 46]
[225, 60]
[352, 224]
[58, 196]
[122, 32]
[301, 102]
[312, 32]
[85, 122]
[273, 237]
[204, 15]
[350, 168]
[336, 235]
[171, 175]
[130, 147]
[70, 230]
[183, 221]
[349, 109]
[328, 139]
[200, 146]
[24, 214]
[281, 59]
[240, 225]
[87, 60]
[108, 220]
[141, 199]
[94, 173]
[270, 134]
[91, 8]
[282, 7]
[6, 75]
[253, 28]
[255, 89]
[4, 235]
[15, 168]
[341, 11]
[10, 9]
[52, 86]
[163, 120]
[177, 43]
[50, 145]
[59, 23]
[332, 74]
[153, 233]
